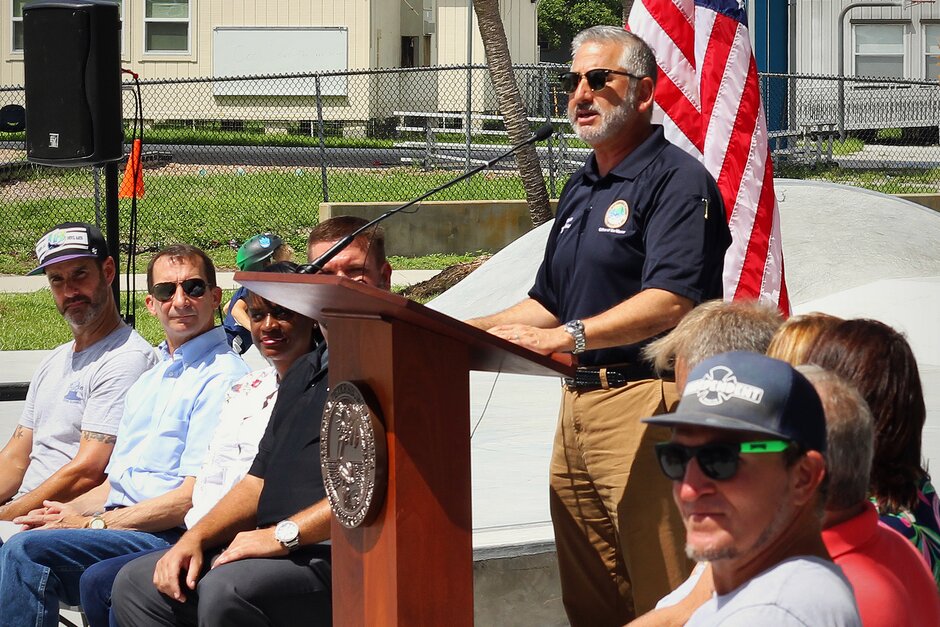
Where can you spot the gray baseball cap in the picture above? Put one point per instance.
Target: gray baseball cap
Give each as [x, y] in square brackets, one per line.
[743, 391]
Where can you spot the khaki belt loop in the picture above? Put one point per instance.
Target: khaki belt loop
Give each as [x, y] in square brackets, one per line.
[603, 376]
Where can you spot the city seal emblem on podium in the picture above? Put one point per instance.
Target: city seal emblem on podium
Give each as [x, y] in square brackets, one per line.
[353, 456]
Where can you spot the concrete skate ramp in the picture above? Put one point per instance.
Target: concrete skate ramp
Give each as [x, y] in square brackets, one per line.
[835, 237]
[848, 251]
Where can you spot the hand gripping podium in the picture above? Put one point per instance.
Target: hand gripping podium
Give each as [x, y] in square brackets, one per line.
[412, 565]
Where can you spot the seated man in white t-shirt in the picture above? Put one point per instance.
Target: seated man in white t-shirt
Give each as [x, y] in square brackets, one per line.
[65, 436]
[747, 461]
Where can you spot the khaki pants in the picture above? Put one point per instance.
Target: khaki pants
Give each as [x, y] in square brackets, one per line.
[619, 536]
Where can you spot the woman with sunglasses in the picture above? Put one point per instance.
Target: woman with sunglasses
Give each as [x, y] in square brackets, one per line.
[282, 336]
[879, 362]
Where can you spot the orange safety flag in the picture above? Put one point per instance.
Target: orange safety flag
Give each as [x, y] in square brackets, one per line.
[128, 188]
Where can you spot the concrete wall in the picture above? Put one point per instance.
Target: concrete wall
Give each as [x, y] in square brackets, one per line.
[518, 590]
[931, 201]
[445, 226]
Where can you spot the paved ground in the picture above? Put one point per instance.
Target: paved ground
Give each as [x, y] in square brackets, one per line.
[891, 157]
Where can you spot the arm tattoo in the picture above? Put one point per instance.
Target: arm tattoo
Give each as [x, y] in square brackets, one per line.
[19, 432]
[104, 438]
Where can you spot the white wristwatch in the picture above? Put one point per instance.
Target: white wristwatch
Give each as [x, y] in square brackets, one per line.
[288, 534]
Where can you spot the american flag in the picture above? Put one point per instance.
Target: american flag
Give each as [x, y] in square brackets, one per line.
[708, 93]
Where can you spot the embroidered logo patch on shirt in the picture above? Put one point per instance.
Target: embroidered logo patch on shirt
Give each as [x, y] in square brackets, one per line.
[617, 214]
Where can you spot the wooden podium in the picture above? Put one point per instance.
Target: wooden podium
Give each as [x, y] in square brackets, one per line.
[413, 564]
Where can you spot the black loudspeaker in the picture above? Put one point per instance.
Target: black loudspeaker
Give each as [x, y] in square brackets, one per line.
[72, 59]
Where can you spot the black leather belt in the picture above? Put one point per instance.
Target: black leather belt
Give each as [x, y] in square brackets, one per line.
[606, 377]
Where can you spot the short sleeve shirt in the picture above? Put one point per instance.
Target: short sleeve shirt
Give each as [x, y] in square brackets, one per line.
[289, 453]
[921, 525]
[245, 414]
[892, 583]
[233, 330]
[655, 221]
[799, 592]
[169, 417]
[79, 391]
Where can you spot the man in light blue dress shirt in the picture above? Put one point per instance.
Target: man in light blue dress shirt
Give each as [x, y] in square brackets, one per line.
[169, 416]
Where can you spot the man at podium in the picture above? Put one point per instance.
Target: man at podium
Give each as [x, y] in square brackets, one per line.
[259, 556]
[639, 239]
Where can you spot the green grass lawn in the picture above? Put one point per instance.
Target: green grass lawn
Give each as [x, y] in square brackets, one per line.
[31, 322]
[218, 211]
[847, 146]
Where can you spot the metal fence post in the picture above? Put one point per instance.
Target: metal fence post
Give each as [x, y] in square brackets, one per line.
[96, 181]
[546, 102]
[112, 213]
[469, 81]
[840, 105]
[468, 139]
[791, 102]
[323, 177]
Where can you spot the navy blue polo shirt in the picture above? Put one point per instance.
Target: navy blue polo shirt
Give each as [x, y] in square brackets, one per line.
[655, 221]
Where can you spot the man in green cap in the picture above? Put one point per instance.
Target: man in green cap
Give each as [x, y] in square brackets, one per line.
[256, 253]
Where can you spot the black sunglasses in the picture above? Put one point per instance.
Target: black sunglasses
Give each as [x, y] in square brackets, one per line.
[718, 460]
[194, 288]
[596, 79]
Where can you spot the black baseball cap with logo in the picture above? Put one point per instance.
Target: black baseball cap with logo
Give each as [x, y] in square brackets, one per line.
[743, 391]
[70, 240]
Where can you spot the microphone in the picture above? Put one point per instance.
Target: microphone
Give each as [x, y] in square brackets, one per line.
[541, 134]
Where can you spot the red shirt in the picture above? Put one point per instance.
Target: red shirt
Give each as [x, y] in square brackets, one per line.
[891, 581]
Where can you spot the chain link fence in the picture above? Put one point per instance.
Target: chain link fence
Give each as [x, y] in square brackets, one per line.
[881, 134]
[225, 159]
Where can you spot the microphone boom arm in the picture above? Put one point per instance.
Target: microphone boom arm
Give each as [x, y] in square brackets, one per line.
[315, 266]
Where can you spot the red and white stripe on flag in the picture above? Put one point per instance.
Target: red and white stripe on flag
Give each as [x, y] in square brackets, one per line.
[708, 94]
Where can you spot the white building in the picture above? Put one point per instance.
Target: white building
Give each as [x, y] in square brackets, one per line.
[179, 39]
[900, 41]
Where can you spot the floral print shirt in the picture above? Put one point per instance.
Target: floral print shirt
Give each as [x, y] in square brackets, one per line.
[921, 526]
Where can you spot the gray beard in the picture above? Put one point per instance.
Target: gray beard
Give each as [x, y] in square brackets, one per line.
[782, 516]
[611, 124]
[98, 302]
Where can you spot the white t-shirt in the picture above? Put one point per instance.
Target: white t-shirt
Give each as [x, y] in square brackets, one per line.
[245, 414]
[72, 392]
[801, 591]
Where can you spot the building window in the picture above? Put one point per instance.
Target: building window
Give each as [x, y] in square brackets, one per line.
[932, 48]
[879, 50]
[166, 26]
[17, 38]
[17, 30]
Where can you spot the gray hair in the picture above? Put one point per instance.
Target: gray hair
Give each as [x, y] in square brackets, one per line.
[712, 328]
[636, 58]
[849, 433]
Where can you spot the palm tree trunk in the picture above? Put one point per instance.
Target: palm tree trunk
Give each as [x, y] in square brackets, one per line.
[511, 107]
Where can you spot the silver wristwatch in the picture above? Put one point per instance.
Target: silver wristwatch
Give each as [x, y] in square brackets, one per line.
[575, 329]
[288, 534]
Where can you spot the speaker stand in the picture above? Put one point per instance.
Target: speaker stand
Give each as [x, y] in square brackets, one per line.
[112, 217]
